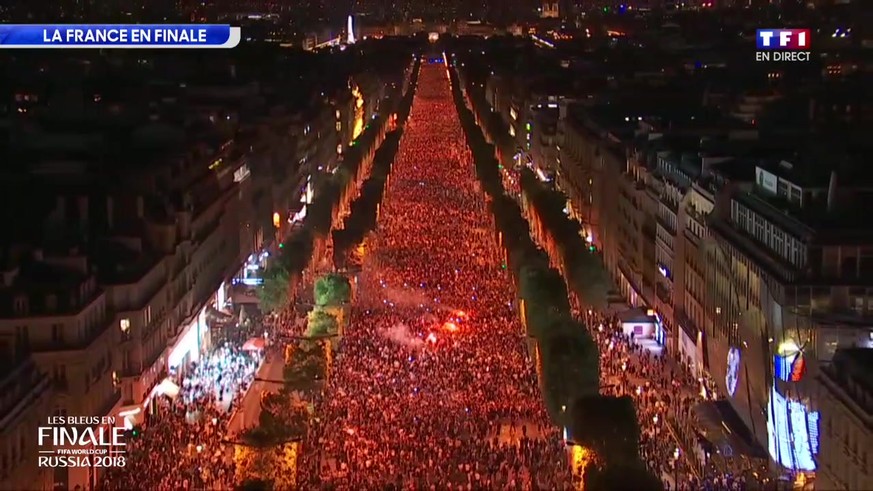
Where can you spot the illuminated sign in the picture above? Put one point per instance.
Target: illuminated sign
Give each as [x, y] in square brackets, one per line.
[792, 433]
[788, 363]
[241, 174]
[732, 374]
[664, 271]
[766, 180]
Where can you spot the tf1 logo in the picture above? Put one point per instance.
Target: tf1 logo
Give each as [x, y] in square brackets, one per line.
[783, 39]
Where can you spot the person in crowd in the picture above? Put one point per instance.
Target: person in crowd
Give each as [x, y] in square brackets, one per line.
[433, 388]
[182, 445]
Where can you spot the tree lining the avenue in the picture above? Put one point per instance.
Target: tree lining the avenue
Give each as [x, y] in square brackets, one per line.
[568, 358]
[266, 455]
[364, 210]
[296, 254]
[562, 238]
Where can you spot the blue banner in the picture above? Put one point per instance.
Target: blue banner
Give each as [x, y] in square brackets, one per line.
[153, 36]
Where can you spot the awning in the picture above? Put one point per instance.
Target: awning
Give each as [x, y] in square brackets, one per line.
[168, 388]
[213, 313]
[635, 315]
[722, 427]
[254, 344]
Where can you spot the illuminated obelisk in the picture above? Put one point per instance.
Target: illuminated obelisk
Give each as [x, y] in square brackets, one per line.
[350, 29]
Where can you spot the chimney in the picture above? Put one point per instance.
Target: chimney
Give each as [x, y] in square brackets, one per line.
[832, 192]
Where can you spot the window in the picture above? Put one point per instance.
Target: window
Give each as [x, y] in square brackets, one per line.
[57, 333]
[821, 299]
[803, 297]
[848, 267]
[779, 242]
[59, 376]
[782, 189]
[22, 336]
[20, 304]
[795, 195]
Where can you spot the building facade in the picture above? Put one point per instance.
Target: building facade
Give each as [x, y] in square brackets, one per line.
[845, 400]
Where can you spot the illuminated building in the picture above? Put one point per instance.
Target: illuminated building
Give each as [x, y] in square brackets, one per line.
[845, 400]
[549, 9]
[761, 268]
[787, 288]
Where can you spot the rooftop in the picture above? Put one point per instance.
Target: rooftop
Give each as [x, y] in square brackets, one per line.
[118, 263]
[50, 289]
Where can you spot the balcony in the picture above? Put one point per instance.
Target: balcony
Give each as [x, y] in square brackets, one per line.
[664, 294]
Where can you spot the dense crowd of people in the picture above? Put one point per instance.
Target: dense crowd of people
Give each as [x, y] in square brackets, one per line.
[664, 395]
[433, 388]
[182, 445]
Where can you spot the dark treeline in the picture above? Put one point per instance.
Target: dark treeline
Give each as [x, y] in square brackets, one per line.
[569, 360]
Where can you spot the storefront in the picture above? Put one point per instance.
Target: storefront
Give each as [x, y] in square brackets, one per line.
[691, 349]
[250, 275]
[221, 297]
[660, 331]
[135, 415]
[638, 323]
[190, 343]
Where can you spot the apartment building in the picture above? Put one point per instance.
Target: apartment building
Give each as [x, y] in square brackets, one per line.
[54, 309]
[27, 398]
[845, 400]
[609, 189]
[661, 225]
[531, 109]
[108, 319]
[691, 282]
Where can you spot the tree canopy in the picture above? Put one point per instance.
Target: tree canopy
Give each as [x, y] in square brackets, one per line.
[332, 289]
[630, 476]
[570, 367]
[273, 292]
[255, 485]
[569, 357]
[583, 268]
[608, 425]
[321, 323]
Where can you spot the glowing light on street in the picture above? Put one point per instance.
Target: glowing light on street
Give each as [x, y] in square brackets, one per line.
[450, 326]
